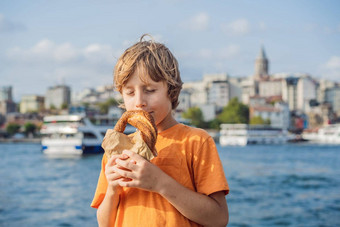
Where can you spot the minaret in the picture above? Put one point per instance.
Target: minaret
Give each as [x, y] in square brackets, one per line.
[261, 65]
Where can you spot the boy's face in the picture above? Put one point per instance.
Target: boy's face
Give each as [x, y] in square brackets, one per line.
[150, 96]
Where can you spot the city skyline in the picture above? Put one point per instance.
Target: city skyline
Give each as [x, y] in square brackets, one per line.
[46, 43]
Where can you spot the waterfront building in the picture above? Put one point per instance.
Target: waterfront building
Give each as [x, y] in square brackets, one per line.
[306, 91]
[218, 93]
[261, 66]
[95, 95]
[271, 87]
[57, 96]
[323, 86]
[32, 103]
[235, 87]
[201, 92]
[78, 97]
[197, 91]
[6, 93]
[248, 86]
[332, 96]
[257, 101]
[289, 91]
[7, 104]
[299, 91]
[184, 101]
[278, 114]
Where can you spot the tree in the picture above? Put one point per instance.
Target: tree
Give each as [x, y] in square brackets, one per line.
[195, 115]
[267, 121]
[12, 128]
[64, 106]
[258, 120]
[234, 113]
[29, 128]
[104, 106]
[214, 124]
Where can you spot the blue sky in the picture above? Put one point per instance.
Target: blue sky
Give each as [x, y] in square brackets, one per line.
[43, 43]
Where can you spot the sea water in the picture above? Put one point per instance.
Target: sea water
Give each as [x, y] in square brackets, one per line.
[281, 185]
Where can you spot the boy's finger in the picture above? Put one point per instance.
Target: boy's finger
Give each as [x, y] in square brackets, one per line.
[124, 173]
[127, 164]
[133, 155]
[110, 162]
[124, 156]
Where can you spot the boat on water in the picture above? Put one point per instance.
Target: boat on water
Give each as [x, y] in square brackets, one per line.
[243, 134]
[329, 134]
[75, 134]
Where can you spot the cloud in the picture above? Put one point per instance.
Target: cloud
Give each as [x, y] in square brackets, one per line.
[322, 29]
[199, 22]
[151, 36]
[237, 27]
[220, 59]
[204, 54]
[10, 26]
[34, 69]
[230, 51]
[333, 63]
[331, 69]
[46, 51]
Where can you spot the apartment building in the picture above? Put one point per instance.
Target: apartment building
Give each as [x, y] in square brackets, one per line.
[7, 104]
[31, 103]
[278, 114]
[57, 96]
[306, 91]
[332, 96]
[272, 87]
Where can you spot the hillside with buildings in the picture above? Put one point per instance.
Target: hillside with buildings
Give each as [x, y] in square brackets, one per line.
[292, 101]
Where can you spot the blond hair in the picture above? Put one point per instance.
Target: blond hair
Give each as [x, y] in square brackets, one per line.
[156, 59]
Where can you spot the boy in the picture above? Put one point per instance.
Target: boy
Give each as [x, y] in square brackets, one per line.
[185, 184]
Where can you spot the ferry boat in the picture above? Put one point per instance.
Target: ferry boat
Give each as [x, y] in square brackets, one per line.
[329, 134]
[243, 134]
[75, 134]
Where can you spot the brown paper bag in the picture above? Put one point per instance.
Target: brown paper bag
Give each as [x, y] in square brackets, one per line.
[115, 142]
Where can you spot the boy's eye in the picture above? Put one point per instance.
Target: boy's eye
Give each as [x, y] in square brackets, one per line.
[129, 92]
[150, 90]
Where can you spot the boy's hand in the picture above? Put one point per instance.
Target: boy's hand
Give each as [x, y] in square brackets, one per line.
[112, 176]
[143, 174]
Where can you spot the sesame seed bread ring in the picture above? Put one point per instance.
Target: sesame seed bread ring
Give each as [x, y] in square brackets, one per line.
[144, 122]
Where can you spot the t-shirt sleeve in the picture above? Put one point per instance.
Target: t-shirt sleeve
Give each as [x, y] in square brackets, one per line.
[101, 186]
[208, 170]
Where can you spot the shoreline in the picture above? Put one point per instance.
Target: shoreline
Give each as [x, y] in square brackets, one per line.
[22, 140]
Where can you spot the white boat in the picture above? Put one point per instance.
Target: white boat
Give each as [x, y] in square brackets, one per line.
[243, 134]
[329, 134]
[75, 134]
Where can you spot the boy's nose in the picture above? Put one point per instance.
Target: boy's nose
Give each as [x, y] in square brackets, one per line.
[140, 100]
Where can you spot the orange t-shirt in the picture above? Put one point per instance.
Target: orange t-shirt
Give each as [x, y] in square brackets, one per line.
[188, 155]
